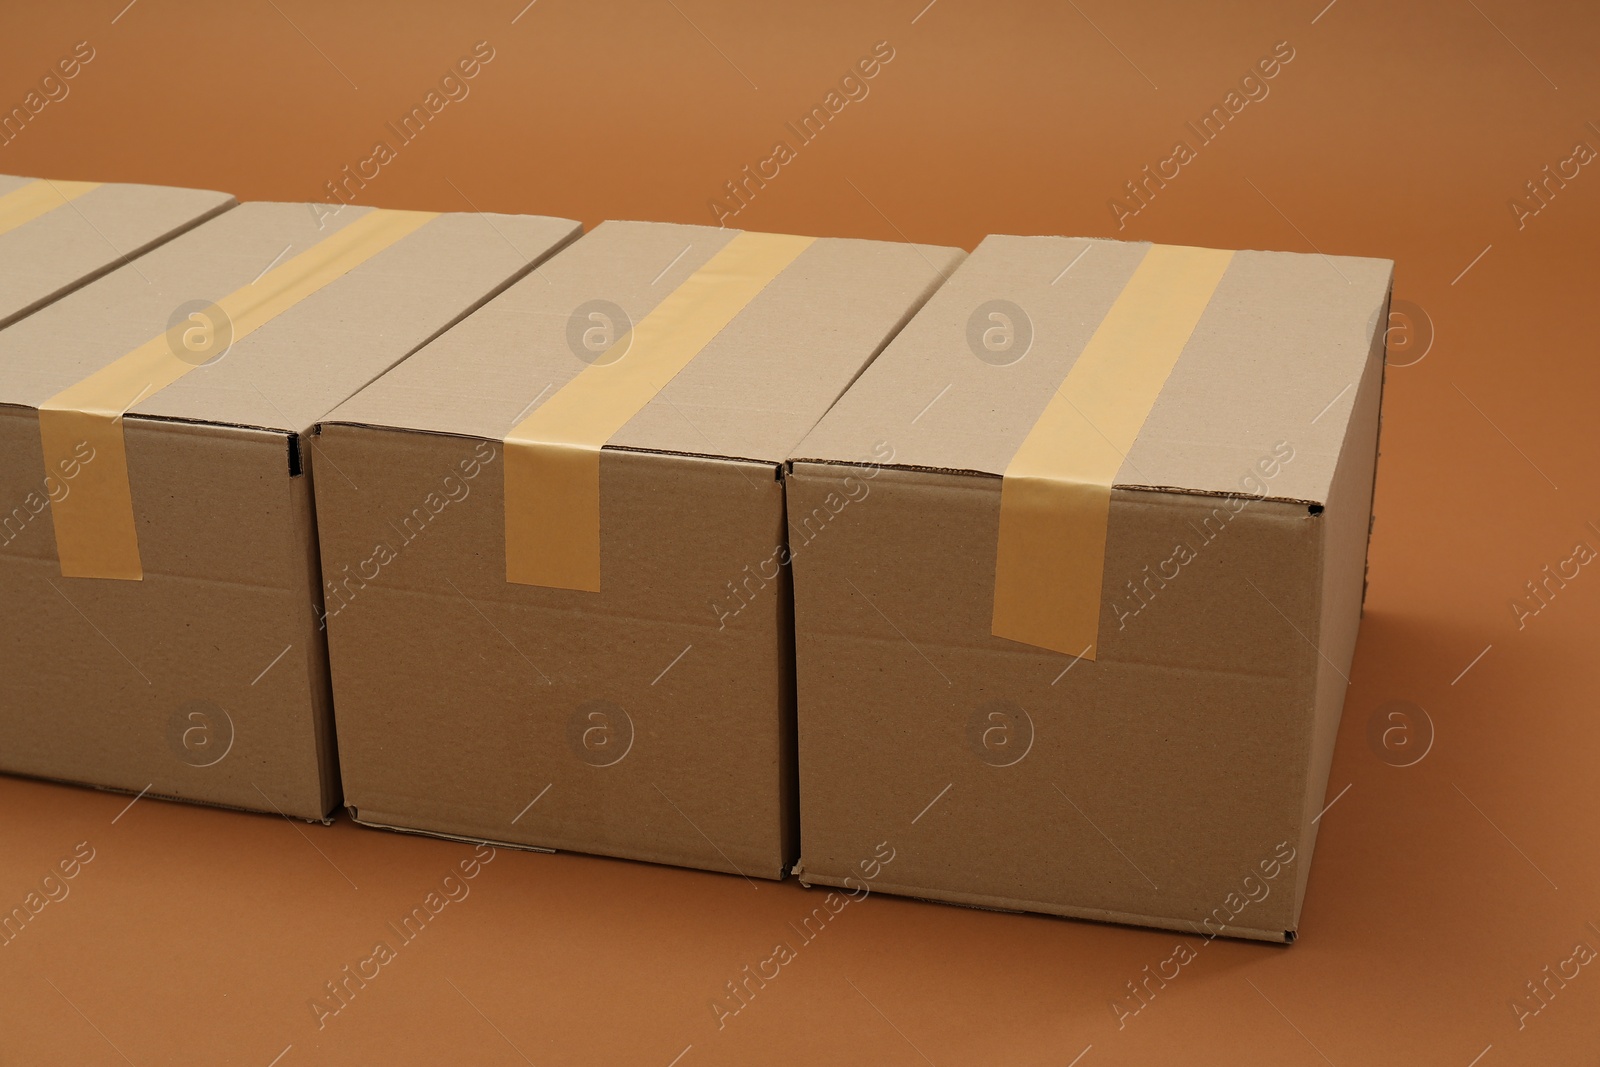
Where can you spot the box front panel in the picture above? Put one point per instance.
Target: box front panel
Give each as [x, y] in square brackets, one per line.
[1160, 783]
[649, 720]
[203, 680]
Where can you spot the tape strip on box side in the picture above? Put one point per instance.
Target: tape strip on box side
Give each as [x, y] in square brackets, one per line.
[95, 528]
[552, 457]
[1055, 496]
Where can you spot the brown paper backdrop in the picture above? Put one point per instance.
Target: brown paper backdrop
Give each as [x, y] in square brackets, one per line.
[1439, 889]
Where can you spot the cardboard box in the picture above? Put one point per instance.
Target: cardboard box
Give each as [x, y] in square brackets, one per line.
[619, 682]
[58, 235]
[159, 568]
[1081, 642]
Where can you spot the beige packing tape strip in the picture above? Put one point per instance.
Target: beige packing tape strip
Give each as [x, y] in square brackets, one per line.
[552, 457]
[96, 535]
[1055, 498]
[22, 205]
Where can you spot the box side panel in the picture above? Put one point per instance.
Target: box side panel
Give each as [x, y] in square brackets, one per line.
[1163, 780]
[194, 683]
[1347, 525]
[644, 721]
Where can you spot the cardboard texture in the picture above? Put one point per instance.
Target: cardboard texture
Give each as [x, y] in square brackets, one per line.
[652, 719]
[206, 679]
[58, 235]
[1173, 780]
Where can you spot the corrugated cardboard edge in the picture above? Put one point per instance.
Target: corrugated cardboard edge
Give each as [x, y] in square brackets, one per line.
[319, 689]
[395, 827]
[985, 902]
[385, 821]
[760, 461]
[1363, 465]
[1117, 487]
[121, 261]
[1382, 342]
[326, 819]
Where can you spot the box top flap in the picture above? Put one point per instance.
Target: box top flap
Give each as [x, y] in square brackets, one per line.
[288, 373]
[75, 231]
[1275, 357]
[752, 393]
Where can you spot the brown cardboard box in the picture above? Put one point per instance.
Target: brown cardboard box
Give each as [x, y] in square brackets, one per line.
[644, 708]
[161, 626]
[58, 235]
[1153, 469]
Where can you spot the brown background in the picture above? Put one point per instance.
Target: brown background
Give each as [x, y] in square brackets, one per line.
[1439, 889]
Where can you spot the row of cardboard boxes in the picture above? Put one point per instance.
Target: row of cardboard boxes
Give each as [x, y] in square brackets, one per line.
[1026, 579]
